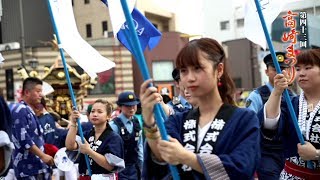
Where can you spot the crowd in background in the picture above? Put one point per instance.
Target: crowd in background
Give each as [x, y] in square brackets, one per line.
[210, 137]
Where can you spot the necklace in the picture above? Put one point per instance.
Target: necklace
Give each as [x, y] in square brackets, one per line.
[303, 122]
[310, 107]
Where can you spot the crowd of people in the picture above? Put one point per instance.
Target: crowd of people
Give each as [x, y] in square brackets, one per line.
[209, 136]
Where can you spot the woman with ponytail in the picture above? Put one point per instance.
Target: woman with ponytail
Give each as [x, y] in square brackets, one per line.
[216, 140]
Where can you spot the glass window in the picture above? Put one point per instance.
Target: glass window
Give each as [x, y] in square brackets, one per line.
[88, 30]
[9, 84]
[155, 25]
[104, 27]
[106, 83]
[161, 70]
[240, 23]
[224, 25]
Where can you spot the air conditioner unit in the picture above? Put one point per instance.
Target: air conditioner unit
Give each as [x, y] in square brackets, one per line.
[9, 46]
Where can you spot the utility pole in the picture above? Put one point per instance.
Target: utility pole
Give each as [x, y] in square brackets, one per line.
[22, 40]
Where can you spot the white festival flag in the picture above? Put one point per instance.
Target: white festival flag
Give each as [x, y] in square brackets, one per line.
[46, 88]
[116, 14]
[1, 58]
[252, 26]
[80, 51]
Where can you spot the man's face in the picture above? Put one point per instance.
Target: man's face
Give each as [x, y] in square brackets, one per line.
[128, 111]
[33, 96]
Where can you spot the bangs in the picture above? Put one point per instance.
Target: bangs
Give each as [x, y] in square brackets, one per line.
[309, 57]
[188, 56]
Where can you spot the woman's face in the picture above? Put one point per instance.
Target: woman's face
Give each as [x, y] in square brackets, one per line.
[98, 114]
[199, 81]
[189, 98]
[308, 76]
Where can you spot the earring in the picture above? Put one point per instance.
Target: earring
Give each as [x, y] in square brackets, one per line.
[219, 82]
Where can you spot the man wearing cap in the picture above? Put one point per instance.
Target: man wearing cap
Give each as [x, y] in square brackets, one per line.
[128, 127]
[272, 157]
[178, 103]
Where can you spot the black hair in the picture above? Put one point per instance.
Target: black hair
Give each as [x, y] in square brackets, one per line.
[109, 106]
[188, 56]
[30, 83]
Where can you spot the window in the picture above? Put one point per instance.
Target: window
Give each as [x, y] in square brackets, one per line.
[161, 70]
[86, 1]
[240, 23]
[155, 25]
[88, 30]
[224, 25]
[9, 84]
[106, 83]
[104, 27]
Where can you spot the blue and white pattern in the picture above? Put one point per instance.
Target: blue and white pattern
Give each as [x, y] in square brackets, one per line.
[27, 132]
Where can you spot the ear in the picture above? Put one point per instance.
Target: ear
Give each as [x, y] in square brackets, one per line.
[26, 92]
[220, 68]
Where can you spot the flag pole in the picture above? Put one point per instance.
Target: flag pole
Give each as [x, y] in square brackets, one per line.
[145, 73]
[277, 66]
[74, 103]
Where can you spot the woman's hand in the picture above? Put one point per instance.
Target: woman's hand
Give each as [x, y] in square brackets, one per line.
[172, 151]
[74, 116]
[281, 82]
[85, 148]
[148, 97]
[307, 151]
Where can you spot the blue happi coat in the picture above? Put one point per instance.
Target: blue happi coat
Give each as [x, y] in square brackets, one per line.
[110, 145]
[235, 153]
[26, 132]
[287, 133]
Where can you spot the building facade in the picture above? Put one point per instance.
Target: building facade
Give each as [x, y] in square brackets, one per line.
[94, 25]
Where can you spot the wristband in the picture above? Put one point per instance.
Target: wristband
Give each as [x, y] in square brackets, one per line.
[151, 129]
[72, 125]
[152, 136]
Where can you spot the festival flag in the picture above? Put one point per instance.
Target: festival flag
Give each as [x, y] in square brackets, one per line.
[148, 35]
[46, 88]
[1, 58]
[252, 26]
[80, 51]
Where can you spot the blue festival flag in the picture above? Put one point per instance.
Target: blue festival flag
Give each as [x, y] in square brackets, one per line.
[148, 34]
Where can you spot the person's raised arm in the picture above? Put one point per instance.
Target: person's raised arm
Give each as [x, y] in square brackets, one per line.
[272, 106]
[149, 97]
[72, 133]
